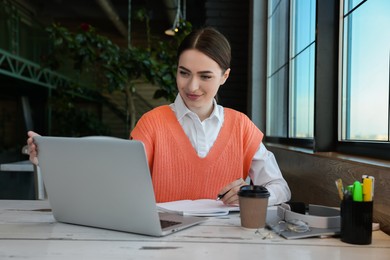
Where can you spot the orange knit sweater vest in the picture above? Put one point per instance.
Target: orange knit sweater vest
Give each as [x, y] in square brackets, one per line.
[178, 173]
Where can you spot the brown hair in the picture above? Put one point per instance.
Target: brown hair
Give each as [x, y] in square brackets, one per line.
[210, 42]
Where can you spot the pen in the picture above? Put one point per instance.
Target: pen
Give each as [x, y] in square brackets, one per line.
[347, 195]
[340, 188]
[220, 196]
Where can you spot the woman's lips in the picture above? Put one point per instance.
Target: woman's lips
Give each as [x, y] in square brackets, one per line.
[193, 97]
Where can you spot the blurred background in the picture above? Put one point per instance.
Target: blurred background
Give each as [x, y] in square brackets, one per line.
[54, 76]
[36, 79]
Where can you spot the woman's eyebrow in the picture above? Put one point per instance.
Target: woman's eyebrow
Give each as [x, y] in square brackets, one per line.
[205, 72]
[199, 72]
[183, 68]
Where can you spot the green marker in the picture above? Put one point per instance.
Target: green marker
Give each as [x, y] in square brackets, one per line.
[357, 194]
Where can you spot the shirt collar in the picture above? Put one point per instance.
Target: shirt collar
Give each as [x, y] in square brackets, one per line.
[182, 110]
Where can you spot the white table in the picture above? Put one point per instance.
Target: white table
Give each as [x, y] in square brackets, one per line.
[27, 166]
[29, 231]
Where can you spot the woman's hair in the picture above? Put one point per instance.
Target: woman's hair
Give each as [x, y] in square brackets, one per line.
[210, 42]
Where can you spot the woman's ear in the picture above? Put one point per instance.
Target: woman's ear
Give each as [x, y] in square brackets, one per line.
[225, 76]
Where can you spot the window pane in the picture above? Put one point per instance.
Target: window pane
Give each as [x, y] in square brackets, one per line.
[302, 69]
[272, 5]
[365, 110]
[302, 95]
[350, 4]
[277, 69]
[277, 104]
[303, 24]
[278, 37]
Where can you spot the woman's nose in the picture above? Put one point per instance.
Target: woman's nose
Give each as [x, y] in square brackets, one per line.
[193, 84]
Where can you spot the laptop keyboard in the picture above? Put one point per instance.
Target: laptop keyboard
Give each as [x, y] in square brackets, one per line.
[168, 223]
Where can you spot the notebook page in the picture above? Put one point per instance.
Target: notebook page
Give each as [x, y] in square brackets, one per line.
[201, 207]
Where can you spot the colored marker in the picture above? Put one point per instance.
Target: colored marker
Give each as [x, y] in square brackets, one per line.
[357, 194]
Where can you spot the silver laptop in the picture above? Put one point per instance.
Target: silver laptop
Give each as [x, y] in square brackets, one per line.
[103, 182]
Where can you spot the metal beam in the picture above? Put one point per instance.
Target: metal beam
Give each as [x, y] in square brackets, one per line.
[108, 8]
[19, 68]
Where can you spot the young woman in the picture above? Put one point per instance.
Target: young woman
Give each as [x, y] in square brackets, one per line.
[195, 147]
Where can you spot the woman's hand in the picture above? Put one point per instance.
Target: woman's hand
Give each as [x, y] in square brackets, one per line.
[32, 147]
[230, 191]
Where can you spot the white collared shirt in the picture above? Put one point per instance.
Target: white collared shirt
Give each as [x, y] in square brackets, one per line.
[264, 169]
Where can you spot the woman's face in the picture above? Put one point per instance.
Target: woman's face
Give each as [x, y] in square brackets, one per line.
[198, 80]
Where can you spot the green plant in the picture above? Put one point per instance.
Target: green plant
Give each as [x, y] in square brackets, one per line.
[96, 63]
[73, 121]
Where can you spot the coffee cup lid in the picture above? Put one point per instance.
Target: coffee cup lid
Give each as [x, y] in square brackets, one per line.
[253, 191]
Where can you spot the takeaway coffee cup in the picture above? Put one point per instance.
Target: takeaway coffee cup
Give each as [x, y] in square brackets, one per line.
[253, 201]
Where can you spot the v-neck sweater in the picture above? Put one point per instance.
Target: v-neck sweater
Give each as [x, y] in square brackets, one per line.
[178, 172]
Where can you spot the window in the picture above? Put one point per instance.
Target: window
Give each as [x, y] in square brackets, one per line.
[328, 75]
[365, 73]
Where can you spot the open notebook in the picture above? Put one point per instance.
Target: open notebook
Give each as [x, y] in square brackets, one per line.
[103, 182]
[201, 207]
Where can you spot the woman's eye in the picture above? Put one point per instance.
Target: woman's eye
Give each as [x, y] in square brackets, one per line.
[205, 77]
[184, 73]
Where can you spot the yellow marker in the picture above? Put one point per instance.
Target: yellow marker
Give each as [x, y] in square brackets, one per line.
[367, 189]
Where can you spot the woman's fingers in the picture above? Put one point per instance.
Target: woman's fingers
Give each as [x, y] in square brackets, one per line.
[32, 148]
[231, 191]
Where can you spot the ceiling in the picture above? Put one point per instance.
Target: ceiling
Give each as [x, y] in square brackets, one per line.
[109, 17]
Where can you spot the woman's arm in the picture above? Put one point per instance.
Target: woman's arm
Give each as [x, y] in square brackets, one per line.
[265, 171]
